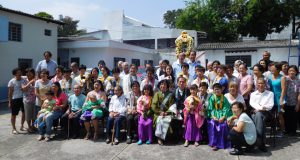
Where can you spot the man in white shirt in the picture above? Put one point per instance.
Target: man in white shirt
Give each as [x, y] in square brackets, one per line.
[262, 101]
[129, 78]
[117, 111]
[48, 64]
[192, 64]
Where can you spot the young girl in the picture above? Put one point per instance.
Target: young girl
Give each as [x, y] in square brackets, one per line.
[92, 111]
[48, 104]
[217, 111]
[193, 117]
[145, 118]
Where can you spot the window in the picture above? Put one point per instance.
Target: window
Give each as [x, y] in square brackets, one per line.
[75, 59]
[245, 58]
[136, 62]
[117, 59]
[47, 32]
[15, 32]
[24, 64]
[148, 61]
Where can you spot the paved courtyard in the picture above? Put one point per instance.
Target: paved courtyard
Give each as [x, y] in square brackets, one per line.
[25, 146]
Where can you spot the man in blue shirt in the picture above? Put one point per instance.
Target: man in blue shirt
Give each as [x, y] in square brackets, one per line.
[48, 64]
[177, 64]
[192, 64]
[73, 114]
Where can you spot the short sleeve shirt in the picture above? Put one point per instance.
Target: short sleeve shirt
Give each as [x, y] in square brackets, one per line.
[60, 99]
[244, 81]
[249, 128]
[76, 102]
[17, 85]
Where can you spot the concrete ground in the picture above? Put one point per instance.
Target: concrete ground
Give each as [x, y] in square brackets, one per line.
[25, 146]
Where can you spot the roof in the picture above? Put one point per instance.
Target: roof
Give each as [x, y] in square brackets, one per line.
[248, 44]
[30, 15]
[71, 39]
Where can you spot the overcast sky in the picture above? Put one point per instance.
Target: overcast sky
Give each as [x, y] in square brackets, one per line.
[148, 11]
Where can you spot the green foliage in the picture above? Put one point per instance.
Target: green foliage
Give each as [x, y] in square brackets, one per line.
[44, 15]
[225, 20]
[69, 28]
[170, 17]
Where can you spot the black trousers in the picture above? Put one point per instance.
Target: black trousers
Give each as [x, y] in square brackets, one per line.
[204, 132]
[177, 131]
[74, 123]
[290, 119]
[237, 139]
[132, 124]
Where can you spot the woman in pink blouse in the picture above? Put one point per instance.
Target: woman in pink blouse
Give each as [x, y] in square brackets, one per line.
[246, 83]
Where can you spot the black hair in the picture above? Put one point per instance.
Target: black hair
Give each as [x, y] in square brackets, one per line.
[30, 70]
[295, 68]
[260, 67]
[106, 69]
[239, 105]
[204, 84]
[149, 88]
[229, 66]
[278, 66]
[150, 69]
[116, 70]
[45, 71]
[199, 67]
[185, 65]
[135, 83]
[166, 61]
[57, 84]
[67, 70]
[50, 93]
[82, 67]
[216, 61]
[163, 81]
[224, 67]
[15, 70]
[101, 84]
[95, 68]
[217, 85]
[102, 62]
[61, 68]
[48, 52]
[194, 87]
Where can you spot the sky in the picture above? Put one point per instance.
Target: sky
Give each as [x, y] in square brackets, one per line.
[148, 11]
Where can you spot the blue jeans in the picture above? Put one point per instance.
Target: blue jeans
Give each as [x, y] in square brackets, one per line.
[118, 121]
[50, 117]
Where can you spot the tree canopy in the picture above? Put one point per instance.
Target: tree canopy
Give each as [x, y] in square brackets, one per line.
[44, 15]
[226, 20]
[69, 28]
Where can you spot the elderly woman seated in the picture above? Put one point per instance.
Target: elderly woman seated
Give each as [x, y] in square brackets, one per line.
[243, 132]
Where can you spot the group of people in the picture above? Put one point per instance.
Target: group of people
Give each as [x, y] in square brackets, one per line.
[221, 105]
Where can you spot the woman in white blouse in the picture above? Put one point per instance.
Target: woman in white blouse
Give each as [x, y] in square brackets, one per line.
[233, 95]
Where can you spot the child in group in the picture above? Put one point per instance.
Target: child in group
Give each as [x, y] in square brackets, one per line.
[193, 117]
[47, 105]
[145, 122]
[46, 108]
[204, 97]
[218, 111]
[200, 76]
[92, 111]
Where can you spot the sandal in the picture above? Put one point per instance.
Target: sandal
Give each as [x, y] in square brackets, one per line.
[23, 129]
[95, 137]
[160, 142]
[186, 144]
[196, 144]
[87, 136]
[14, 131]
[215, 148]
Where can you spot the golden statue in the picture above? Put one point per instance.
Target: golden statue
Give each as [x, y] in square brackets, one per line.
[184, 43]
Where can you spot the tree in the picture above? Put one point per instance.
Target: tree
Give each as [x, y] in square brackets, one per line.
[44, 15]
[170, 17]
[210, 16]
[225, 20]
[69, 28]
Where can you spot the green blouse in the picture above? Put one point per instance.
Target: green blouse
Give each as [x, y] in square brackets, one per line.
[218, 113]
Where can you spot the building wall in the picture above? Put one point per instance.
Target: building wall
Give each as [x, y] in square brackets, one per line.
[91, 56]
[32, 46]
[277, 54]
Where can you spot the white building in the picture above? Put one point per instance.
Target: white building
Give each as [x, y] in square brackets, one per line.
[23, 40]
[119, 30]
[251, 51]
